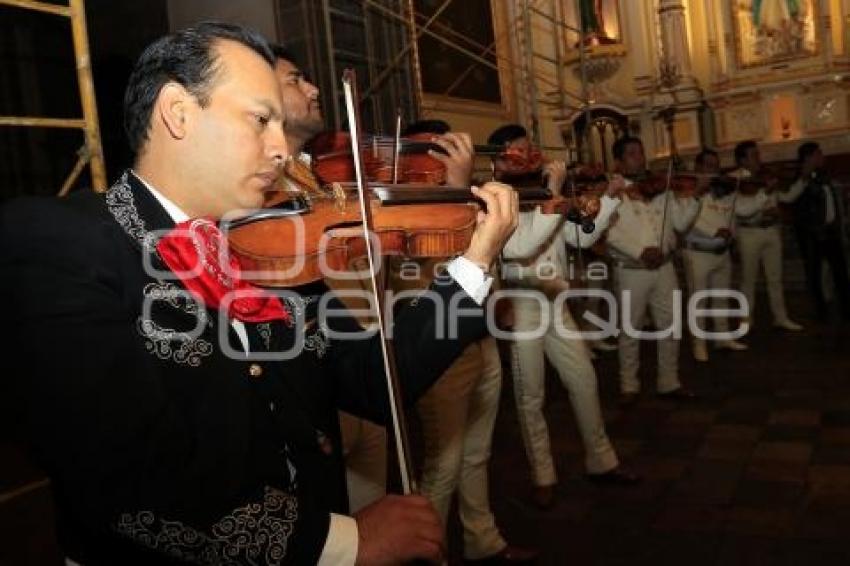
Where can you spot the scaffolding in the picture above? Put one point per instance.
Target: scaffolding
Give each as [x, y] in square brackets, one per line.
[544, 93]
[91, 152]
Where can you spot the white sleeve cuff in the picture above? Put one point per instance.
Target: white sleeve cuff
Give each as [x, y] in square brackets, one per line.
[342, 542]
[471, 278]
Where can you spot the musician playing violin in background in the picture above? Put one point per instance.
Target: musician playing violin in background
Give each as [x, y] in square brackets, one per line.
[706, 255]
[759, 235]
[168, 432]
[458, 413]
[536, 259]
[641, 242]
[364, 443]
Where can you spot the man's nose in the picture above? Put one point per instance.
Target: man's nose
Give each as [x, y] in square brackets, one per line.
[277, 148]
[312, 91]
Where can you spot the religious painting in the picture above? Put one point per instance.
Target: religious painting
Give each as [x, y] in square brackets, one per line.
[599, 21]
[458, 50]
[771, 31]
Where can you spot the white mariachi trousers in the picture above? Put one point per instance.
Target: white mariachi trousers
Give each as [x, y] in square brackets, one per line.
[707, 270]
[652, 290]
[571, 359]
[762, 246]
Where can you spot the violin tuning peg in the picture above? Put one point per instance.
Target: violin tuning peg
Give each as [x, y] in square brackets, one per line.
[588, 226]
[574, 215]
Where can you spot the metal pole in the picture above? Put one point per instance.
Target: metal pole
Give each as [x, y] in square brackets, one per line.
[417, 67]
[329, 45]
[415, 35]
[472, 55]
[436, 36]
[588, 111]
[557, 32]
[529, 75]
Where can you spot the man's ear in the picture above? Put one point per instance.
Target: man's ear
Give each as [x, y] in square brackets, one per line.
[173, 109]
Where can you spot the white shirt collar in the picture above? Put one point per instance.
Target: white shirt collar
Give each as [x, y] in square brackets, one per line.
[174, 211]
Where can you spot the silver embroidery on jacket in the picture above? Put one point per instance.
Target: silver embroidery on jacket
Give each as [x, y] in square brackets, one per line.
[298, 304]
[264, 329]
[317, 341]
[256, 534]
[122, 206]
[180, 299]
[167, 343]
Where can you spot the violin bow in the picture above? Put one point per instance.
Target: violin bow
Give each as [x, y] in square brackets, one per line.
[666, 203]
[408, 482]
[396, 146]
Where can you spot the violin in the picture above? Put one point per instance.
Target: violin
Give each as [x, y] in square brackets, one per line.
[522, 168]
[331, 155]
[649, 184]
[396, 160]
[762, 180]
[299, 239]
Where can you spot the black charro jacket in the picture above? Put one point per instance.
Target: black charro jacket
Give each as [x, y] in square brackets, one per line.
[161, 448]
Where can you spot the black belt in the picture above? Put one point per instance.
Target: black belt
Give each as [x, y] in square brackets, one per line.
[761, 224]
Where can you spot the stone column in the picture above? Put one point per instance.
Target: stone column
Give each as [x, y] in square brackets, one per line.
[641, 44]
[716, 69]
[674, 39]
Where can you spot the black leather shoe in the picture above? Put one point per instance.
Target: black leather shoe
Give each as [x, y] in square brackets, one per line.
[680, 394]
[509, 555]
[616, 477]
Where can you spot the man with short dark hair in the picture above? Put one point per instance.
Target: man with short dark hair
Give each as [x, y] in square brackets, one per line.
[817, 223]
[364, 443]
[458, 414]
[641, 242]
[172, 426]
[759, 237]
[536, 260]
[706, 256]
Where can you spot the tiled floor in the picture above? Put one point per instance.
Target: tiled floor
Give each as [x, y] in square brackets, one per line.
[756, 472]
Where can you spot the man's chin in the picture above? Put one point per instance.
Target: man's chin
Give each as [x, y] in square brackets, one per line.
[245, 207]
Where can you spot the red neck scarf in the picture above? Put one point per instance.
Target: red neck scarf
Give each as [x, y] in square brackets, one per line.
[197, 252]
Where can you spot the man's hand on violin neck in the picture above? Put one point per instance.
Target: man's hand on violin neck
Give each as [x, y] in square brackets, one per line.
[495, 224]
[616, 186]
[399, 529]
[555, 173]
[459, 158]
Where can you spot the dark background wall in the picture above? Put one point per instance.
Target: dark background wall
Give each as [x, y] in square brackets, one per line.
[38, 78]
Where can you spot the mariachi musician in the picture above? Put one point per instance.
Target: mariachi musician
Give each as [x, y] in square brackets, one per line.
[536, 260]
[707, 259]
[169, 431]
[458, 414]
[641, 242]
[759, 235]
[364, 443]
